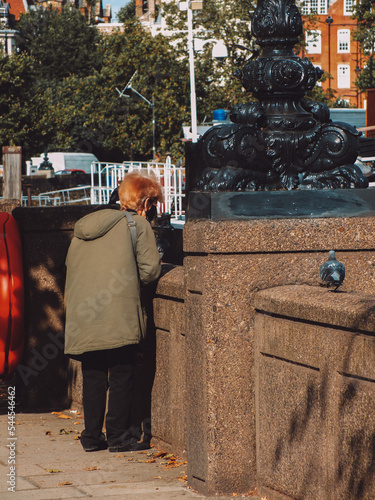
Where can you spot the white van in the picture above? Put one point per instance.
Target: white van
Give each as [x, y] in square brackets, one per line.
[63, 161]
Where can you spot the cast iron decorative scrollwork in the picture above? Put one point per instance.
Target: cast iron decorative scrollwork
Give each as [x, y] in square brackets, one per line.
[282, 140]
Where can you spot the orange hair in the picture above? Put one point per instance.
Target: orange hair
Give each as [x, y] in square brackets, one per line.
[136, 187]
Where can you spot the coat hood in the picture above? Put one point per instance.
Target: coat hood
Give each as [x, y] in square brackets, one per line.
[97, 224]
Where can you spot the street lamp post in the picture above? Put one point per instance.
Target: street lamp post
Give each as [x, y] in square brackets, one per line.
[128, 91]
[219, 52]
[329, 21]
[189, 6]
[193, 98]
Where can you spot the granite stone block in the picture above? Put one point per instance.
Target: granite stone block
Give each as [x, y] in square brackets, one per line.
[315, 382]
[279, 235]
[168, 408]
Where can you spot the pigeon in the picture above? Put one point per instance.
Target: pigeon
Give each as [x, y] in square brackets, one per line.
[332, 272]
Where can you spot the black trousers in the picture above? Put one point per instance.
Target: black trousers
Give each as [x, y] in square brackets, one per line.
[111, 370]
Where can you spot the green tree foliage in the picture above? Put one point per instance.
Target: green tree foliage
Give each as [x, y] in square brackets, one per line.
[61, 43]
[125, 123]
[79, 108]
[61, 90]
[226, 20]
[127, 12]
[364, 13]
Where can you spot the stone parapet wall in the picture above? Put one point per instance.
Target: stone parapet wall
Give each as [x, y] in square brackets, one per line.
[226, 263]
[46, 378]
[203, 378]
[315, 393]
[168, 408]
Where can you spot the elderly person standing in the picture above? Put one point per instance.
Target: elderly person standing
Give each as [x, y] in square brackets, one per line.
[111, 253]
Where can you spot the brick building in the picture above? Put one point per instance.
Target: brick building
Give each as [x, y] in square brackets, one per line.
[10, 13]
[330, 45]
[145, 9]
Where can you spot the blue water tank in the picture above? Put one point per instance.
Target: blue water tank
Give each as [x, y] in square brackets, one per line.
[219, 115]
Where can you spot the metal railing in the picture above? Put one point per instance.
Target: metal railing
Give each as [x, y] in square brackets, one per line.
[105, 177]
[79, 195]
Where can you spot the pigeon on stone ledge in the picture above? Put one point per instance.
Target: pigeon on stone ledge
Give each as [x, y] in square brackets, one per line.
[332, 272]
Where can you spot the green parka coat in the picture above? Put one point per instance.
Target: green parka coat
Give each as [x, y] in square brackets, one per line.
[102, 293]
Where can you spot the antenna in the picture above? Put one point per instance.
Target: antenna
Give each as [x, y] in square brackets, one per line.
[127, 85]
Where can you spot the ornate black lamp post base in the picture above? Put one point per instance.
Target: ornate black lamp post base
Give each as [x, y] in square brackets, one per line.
[281, 141]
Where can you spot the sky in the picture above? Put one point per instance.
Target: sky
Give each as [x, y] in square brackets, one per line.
[116, 5]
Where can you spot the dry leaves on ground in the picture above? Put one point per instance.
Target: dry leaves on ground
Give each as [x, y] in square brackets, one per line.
[173, 461]
[60, 414]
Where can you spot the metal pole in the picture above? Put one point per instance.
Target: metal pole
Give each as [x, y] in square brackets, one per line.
[193, 99]
[153, 129]
[329, 53]
[371, 61]
[329, 21]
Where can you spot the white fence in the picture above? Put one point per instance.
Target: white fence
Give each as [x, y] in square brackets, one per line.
[105, 177]
[79, 195]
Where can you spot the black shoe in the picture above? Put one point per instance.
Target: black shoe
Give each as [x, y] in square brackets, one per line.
[132, 446]
[98, 446]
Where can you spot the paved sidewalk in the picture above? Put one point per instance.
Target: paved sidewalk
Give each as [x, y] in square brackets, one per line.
[51, 464]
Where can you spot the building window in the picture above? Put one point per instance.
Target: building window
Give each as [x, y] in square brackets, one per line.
[313, 42]
[314, 7]
[348, 7]
[343, 76]
[144, 6]
[343, 41]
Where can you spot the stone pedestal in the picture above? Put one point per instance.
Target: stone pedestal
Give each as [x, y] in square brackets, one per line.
[226, 263]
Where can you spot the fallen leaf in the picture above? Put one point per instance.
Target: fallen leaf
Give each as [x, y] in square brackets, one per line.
[53, 471]
[91, 468]
[151, 461]
[64, 431]
[182, 478]
[157, 477]
[173, 465]
[48, 433]
[64, 416]
[56, 413]
[66, 483]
